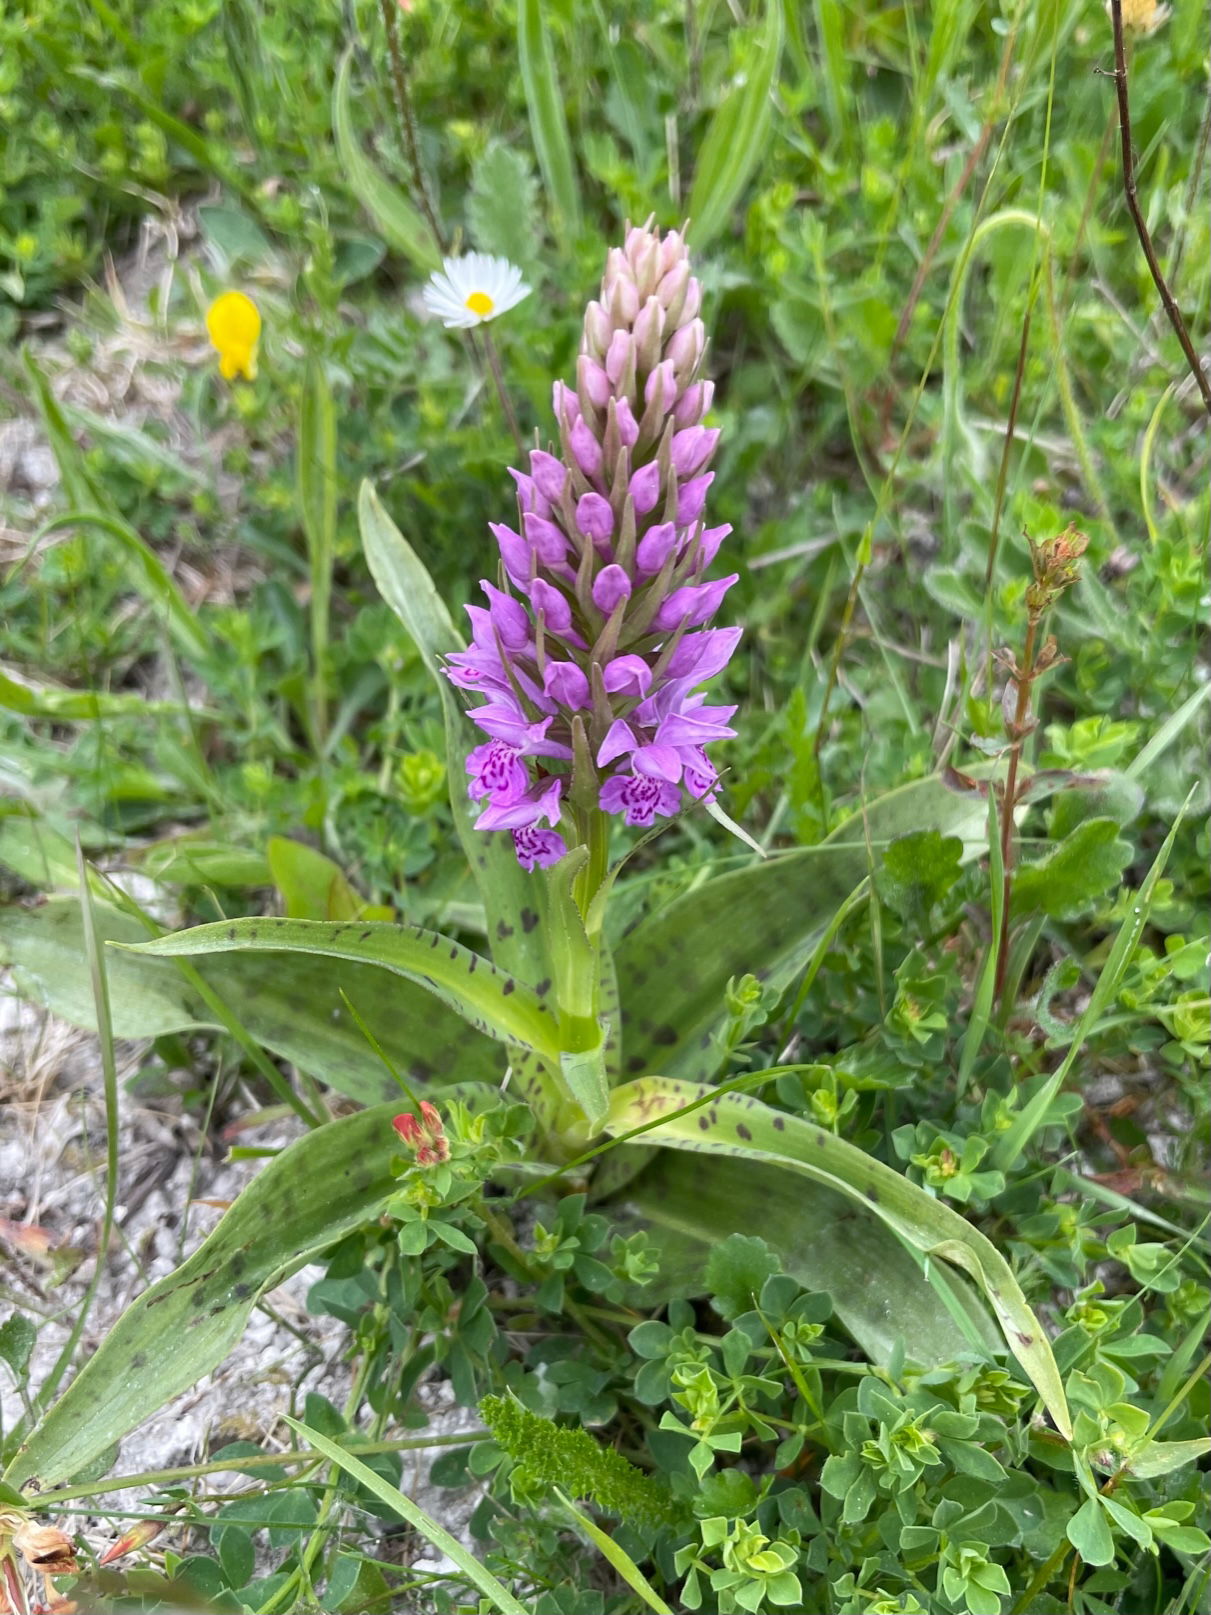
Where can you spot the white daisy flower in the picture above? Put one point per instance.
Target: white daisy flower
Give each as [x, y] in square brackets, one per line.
[467, 291]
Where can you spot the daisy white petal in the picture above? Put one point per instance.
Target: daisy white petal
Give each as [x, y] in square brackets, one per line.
[468, 291]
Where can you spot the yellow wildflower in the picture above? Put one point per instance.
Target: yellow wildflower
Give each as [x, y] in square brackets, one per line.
[233, 323]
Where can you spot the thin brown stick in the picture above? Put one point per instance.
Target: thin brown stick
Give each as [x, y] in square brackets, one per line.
[1137, 218]
[407, 119]
[1009, 799]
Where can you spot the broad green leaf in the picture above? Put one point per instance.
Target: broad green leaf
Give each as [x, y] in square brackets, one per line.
[311, 885]
[322, 1187]
[1163, 1457]
[198, 860]
[1090, 1534]
[736, 1270]
[510, 896]
[736, 138]
[502, 208]
[490, 1000]
[400, 223]
[292, 1004]
[739, 1125]
[497, 1595]
[917, 871]
[548, 122]
[826, 1241]
[615, 1555]
[1084, 866]
[764, 920]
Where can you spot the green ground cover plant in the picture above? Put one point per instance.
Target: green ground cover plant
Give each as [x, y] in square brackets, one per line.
[794, 1152]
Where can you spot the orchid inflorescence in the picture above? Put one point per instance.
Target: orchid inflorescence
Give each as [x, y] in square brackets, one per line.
[594, 642]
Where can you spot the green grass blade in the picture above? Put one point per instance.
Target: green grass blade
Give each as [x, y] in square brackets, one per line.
[77, 706]
[741, 1126]
[94, 958]
[317, 492]
[1010, 1146]
[320, 1188]
[494, 1591]
[736, 138]
[548, 122]
[981, 1007]
[616, 1556]
[486, 997]
[401, 224]
[1168, 732]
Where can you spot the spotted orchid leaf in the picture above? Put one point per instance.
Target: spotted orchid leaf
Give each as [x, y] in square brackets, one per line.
[296, 1005]
[764, 920]
[742, 1127]
[822, 1238]
[320, 1188]
[489, 999]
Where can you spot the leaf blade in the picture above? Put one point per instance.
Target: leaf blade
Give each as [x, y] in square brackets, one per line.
[738, 1125]
[488, 998]
[321, 1187]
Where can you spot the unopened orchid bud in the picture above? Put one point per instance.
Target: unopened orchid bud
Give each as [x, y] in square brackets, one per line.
[649, 334]
[655, 547]
[549, 474]
[692, 448]
[620, 361]
[595, 518]
[592, 383]
[550, 543]
[628, 426]
[694, 403]
[597, 330]
[691, 498]
[514, 552]
[645, 488]
[586, 450]
[662, 385]
[685, 349]
[609, 587]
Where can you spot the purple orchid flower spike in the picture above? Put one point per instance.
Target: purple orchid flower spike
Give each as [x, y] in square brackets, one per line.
[594, 644]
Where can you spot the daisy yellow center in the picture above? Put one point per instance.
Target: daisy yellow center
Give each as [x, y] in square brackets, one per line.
[480, 303]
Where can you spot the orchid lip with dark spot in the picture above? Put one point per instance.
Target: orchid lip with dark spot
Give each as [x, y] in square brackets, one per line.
[591, 652]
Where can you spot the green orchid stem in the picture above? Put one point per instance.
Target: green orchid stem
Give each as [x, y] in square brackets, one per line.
[594, 834]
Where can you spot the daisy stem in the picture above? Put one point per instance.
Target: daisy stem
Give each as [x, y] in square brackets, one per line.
[407, 119]
[502, 392]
